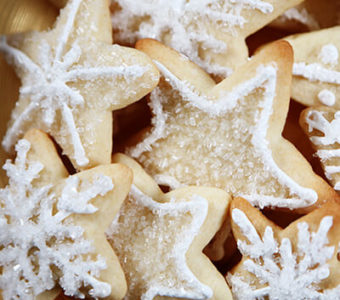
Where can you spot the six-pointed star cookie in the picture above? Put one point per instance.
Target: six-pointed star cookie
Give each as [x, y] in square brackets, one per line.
[211, 33]
[52, 225]
[228, 135]
[316, 71]
[72, 78]
[322, 125]
[299, 262]
[159, 239]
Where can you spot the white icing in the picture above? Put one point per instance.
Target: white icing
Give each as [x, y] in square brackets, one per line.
[48, 86]
[283, 273]
[265, 77]
[316, 120]
[155, 263]
[327, 97]
[34, 234]
[316, 72]
[301, 15]
[180, 24]
[329, 54]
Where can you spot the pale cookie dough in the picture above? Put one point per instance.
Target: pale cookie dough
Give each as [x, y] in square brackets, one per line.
[72, 78]
[316, 71]
[299, 262]
[228, 135]
[322, 125]
[159, 239]
[211, 33]
[52, 226]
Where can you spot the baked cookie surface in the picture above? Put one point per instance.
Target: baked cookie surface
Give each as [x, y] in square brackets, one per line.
[227, 135]
[72, 78]
[52, 226]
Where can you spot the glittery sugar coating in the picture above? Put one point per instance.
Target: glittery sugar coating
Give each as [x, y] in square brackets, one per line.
[209, 32]
[72, 78]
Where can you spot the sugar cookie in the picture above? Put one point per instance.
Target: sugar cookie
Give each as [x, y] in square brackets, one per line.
[316, 71]
[298, 262]
[159, 239]
[228, 135]
[72, 78]
[211, 33]
[52, 225]
[322, 125]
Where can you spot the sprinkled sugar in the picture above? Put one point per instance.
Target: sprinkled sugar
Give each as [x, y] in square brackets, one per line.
[56, 104]
[154, 259]
[329, 54]
[327, 97]
[226, 139]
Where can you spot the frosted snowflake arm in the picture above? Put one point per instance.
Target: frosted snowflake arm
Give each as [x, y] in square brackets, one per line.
[75, 197]
[313, 246]
[258, 247]
[93, 73]
[329, 129]
[20, 58]
[79, 151]
[21, 174]
[67, 29]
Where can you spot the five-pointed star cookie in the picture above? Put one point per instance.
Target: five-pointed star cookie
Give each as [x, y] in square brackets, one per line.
[228, 135]
[159, 239]
[52, 225]
[211, 33]
[298, 262]
[316, 71]
[72, 78]
[322, 125]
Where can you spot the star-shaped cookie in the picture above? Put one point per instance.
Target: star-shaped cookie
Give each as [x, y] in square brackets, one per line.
[298, 262]
[211, 33]
[228, 135]
[52, 225]
[159, 239]
[72, 78]
[316, 71]
[322, 125]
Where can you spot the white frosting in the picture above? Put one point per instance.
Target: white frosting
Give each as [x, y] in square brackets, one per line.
[155, 262]
[297, 196]
[327, 97]
[181, 24]
[48, 86]
[316, 72]
[330, 130]
[301, 15]
[329, 54]
[283, 273]
[35, 235]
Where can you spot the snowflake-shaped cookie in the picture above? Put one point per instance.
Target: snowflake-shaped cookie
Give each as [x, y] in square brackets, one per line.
[322, 125]
[212, 33]
[72, 78]
[299, 262]
[159, 239]
[47, 225]
[228, 135]
[316, 68]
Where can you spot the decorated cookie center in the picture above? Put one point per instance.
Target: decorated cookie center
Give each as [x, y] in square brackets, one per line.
[162, 233]
[225, 137]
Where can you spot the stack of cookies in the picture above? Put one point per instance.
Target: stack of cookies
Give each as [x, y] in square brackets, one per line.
[174, 150]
